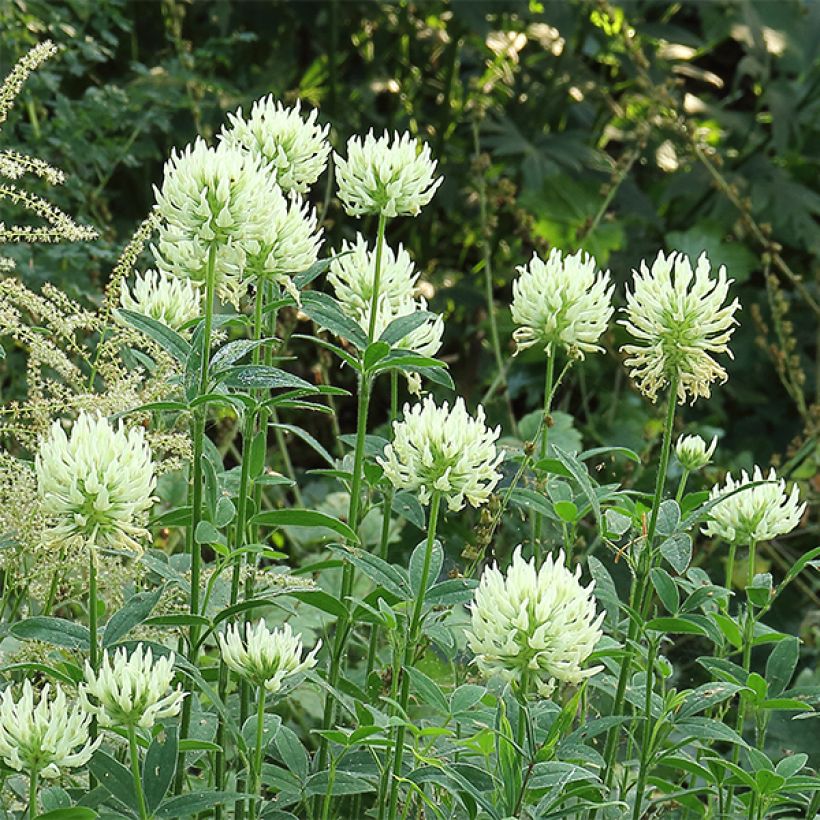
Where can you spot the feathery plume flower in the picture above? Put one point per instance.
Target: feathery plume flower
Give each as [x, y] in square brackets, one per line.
[46, 738]
[679, 320]
[392, 177]
[693, 453]
[133, 691]
[293, 147]
[163, 297]
[534, 625]
[435, 449]
[97, 482]
[352, 275]
[754, 514]
[265, 657]
[562, 302]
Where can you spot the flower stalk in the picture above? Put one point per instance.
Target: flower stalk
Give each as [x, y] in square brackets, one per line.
[542, 451]
[135, 772]
[256, 771]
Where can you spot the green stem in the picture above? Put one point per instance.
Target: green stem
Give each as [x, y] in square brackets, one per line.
[410, 651]
[542, 452]
[377, 275]
[256, 773]
[32, 795]
[730, 568]
[135, 771]
[93, 647]
[638, 590]
[682, 486]
[331, 779]
[646, 741]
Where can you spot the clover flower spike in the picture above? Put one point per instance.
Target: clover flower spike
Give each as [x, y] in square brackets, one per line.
[693, 453]
[161, 296]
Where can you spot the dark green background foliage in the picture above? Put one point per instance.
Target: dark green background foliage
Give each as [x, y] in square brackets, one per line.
[620, 129]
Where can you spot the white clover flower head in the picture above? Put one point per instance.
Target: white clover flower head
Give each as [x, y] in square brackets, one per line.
[754, 514]
[163, 297]
[563, 302]
[265, 657]
[537, 625]
[438, 450]
[290, 243]
[132, 691]
[693, 453]
[679, 320]
[295, 148]
[352, 276]
[97, 482]
[46, 737]
[384, 175]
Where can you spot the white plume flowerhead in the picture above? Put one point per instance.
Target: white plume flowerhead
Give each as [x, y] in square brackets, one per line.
[168, 299]
[679, 319]
[132, 691]
[754, 514]
[534, 625]
[563, 302]
[290, 243]
[44, 737]
[96, 482]
[295, 148]
[392, 176]
[439, 450]
[693, 453]
[352, 276]
[265, 657]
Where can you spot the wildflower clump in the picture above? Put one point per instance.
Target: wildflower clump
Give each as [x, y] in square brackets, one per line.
[387, 176]
[293, 147]
[534, 625]
[265, 657]
[97, 482]
[132, 691]
[439, 450]
[679, 319]
[163, 297]
[754, 514]
[563, 302]
[46, 737]
[693, 453]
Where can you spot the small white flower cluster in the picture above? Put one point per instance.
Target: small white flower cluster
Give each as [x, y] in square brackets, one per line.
[754, 514]
[439, 450]
[534, 625]
[693, 453]
[97, 482]
[391, 177]
[163, 297]
[563, 302]
[679, 320]
[265, 657]
[43, 738]
[294, 149]
[132, 691]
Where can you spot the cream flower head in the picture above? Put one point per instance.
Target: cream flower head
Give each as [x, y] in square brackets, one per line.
[163, 297]
[97, 482]
[393, 177]
[693, 453]
[533, 623]
[44, 738]
[352, 275]
[132, 691]
[755, 514]
[679, 320]
[266, 657]
[435, 449]
[295, 148]
[563, 302]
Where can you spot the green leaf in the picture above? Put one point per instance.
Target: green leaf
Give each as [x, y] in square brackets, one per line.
[676, 625]
[617, 523]
[159, 767]
[610, 451]
[233, 351]
[328, 314]
[709, 694]
[567, 511]
[304, 518]
[417, 566]
[401, 327]
[605, 590]
[428, 689]
[466, 697]
[666, 588]
[321, 600]
[69, 813]
[668, 517]
[207, 533]
[57, 631]
[374, 354]
[392, 578]
[343, 783]
[308, 439]
[187, 805]
[292, 752]
[729, 628]
[677, 550]
[169, 340]
[581, 475]
[135, 611]
[114, 777]
[451, 592]
[408, 507]
[760, 591]
[781, 664]
[249, 376]
[40, 669]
